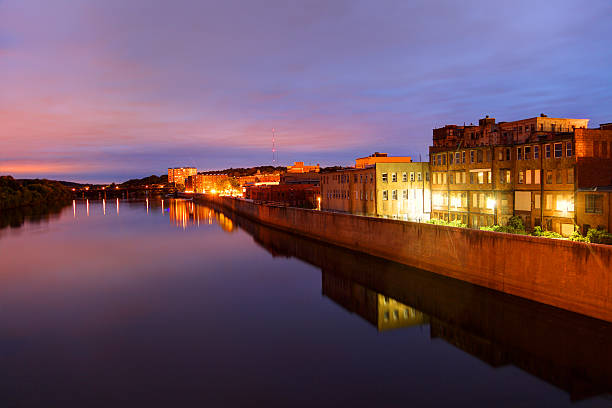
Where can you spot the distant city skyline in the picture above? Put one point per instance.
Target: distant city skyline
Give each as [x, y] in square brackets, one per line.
[108, 91]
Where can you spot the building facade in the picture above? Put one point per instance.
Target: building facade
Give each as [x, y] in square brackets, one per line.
[391, 189]
[533, 168]
[178, 175]
[293, 195]
[299, 167]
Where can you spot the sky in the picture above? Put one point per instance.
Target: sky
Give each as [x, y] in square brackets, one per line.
[101, 91]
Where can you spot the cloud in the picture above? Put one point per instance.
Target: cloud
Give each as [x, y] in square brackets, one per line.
[140, 83]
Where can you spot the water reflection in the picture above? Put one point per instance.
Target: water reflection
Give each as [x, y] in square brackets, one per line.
[567, 350]
[123, 303]
[16, 217]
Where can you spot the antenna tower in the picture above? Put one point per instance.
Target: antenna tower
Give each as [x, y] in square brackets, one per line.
[274, 156]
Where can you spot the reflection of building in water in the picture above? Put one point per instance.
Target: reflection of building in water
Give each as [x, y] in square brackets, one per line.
[383, 312]
[185, 213]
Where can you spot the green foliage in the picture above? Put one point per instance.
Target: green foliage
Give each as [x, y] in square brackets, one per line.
[578, 238]
[599, 236]
[147, 181]
[455, 223]
[19, 193]
[505, 228]
[538, 232]
[516, 223]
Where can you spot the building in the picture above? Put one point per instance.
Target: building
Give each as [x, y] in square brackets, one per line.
[363, 162]
[533, 168]
[298, 167]
[292, 195]
[178, 175]
[379, 186]
[203, 182]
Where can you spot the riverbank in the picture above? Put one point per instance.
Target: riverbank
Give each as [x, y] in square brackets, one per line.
[22, 193]
[570, 275]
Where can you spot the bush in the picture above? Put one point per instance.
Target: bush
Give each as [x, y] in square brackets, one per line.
[578, 238]
[455, 223]
[599, 236]
[538, 232]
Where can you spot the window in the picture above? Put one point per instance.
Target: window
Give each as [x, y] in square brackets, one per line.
[405, 194]
[593, 203]
[394, 177]
[411, 176]
[570, 176]
[444, 178]
[481, 200]
[480, 177]
[426, 176]
[521, 177]
[451, 178]
[500, 155]
[489, 176]
[568, 149]
[444, 159]
[394, 194]
[508, 176]
[536, 201]
[528, 177]
[479, 156]
[457, 157]
[474, 200]
[471, 178]
[384, 177]
[419, 176]
[527, 152]
[471, 156]
[559, 177]
[463, 156]
[519, 153]
[508, 153]
[404, 177]
[547, 151]
[558, 150]
[549, 200]
[536, 152]
[450, 158]
[548, 177]
[536, 176]
[502, 176]
[385, 195]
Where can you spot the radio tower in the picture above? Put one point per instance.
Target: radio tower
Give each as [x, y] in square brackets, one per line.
[273, 147]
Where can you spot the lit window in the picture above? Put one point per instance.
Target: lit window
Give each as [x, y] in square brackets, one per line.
[521, 176]
[480, 177]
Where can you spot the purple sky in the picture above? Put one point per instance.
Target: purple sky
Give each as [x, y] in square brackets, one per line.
[108, 90]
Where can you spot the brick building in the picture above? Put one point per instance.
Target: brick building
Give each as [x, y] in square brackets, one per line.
[534, 168]
[296, 195]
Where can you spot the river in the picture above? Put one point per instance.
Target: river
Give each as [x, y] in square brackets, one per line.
[170, 303]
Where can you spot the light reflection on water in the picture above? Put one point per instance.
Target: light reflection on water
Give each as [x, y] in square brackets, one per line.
[167, 302]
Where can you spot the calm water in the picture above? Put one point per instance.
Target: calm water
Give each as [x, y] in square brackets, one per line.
[134, 304]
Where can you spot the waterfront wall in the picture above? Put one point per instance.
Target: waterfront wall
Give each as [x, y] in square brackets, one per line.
[569, 275]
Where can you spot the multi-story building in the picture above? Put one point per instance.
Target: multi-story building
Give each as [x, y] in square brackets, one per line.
[381, 186]
[178, 175]
[534, 168]
[202, 182]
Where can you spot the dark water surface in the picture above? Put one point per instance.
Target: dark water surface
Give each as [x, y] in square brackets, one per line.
[133, 304]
